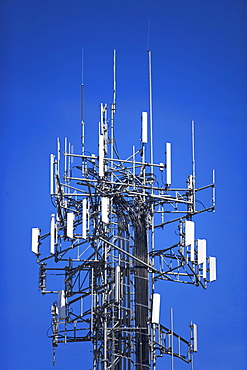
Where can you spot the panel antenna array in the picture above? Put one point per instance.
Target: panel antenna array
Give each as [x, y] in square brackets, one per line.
[101, 248]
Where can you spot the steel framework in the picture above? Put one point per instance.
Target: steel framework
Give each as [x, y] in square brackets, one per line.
[103, 253]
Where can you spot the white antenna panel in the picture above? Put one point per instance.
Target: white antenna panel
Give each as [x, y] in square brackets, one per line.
[156, 308]
[117, 283]
[190, 182]
[61, 304]
[70, 225]
[84, 218]
[101, 155]
[168, 165]
[202, 256]
[144, 127]
[35, 240]
[201, 245]
[52, 157]
[52, 235]
[190, 237]
[54, 309]
[212, 265]
[105, 211]
[195, 348]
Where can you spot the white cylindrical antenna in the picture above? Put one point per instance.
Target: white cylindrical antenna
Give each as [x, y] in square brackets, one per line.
[52, 156]
[82, 112]
[195, 347]
[113, 109]
[101, 152]
[212, 268]
[117, 283]
[52, 234]
[190, 238]
[70, 225]
[105, 129]
[101, 128]
[82, 86]
[65, 150]
[61, 304]
[189, 232]
[58, 156]
[105, 209]
[114, 79]
[193, 153]
[65, 157]
[202, 256]
[69, 166]
[133, 159]
[101, 141]
[201, 245]
[150, 108]
[168, 165]
[35, 240]
[156, 309]
[84, 218]
[213, 189]
[190, 182]
[144, 127]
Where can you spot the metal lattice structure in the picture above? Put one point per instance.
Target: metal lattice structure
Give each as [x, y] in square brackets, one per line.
[101, 247]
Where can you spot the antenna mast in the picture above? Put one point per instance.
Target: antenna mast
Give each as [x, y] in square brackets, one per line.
[82, 112]
[150, 108]
[193, 161]
[113, 107]
[101, 239]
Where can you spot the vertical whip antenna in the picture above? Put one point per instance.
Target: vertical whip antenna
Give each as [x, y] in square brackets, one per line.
[82, 113]
[113, 108]
[150, 108]
[114, 78]
[149, 35]
[193, 160]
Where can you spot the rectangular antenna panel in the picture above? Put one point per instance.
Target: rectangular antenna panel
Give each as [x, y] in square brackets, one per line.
[70, 225]
[35, 240]
[168, 165]
[52, 235]
[117, 283]
[201, 245]
[144, 127]
[84, 218]
[105, 209]
[212, 265]
[156, 308]
[61, 304]
[54, 310]
[101, 155]
[195, 337]
[202, 256]
[190, 182]
[52, 157]
[190, 237]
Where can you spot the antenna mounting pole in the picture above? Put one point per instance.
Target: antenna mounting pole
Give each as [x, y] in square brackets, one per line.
[150, 108]
[82, 114]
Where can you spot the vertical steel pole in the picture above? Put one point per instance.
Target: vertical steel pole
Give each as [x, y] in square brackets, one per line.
[150, 108]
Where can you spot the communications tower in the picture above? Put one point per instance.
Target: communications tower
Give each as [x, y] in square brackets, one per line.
[101, 246]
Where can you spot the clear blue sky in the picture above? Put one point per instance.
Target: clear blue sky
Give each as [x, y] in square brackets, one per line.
[199, 72]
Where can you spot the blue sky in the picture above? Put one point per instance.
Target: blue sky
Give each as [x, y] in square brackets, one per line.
[199, 72]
